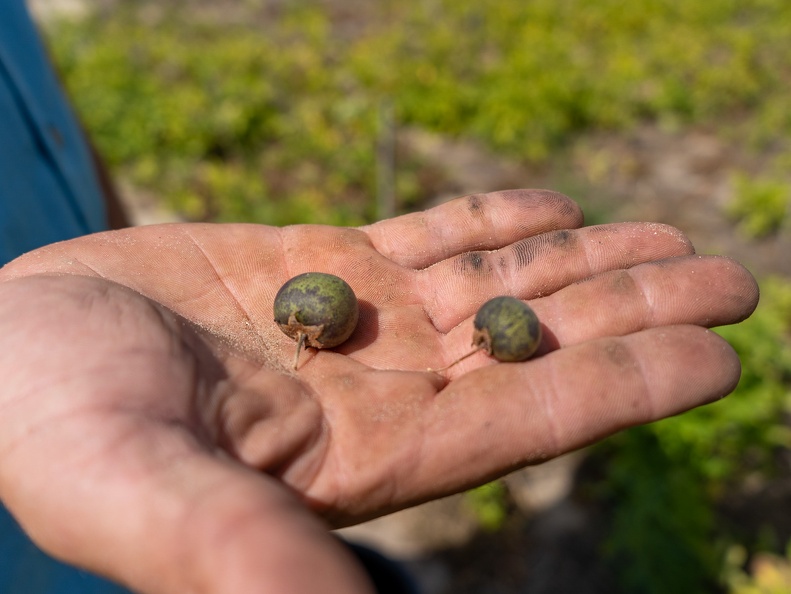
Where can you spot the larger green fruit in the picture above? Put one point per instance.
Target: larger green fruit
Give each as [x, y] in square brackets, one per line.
[316, 309]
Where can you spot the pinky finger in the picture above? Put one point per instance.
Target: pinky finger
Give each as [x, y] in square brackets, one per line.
[506, 416]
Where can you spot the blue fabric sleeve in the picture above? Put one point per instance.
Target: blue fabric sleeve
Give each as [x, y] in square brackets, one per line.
[24, 569]
[49, 189]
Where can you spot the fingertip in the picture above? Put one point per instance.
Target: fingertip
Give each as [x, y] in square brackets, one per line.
[694, 366]
[567, 212]
[746, 290]
[732, 368]
[727, 359]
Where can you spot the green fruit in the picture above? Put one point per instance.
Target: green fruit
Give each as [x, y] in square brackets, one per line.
[507, 329]
[316, 309]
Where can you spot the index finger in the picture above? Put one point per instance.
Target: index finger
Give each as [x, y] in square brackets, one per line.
[475, 222]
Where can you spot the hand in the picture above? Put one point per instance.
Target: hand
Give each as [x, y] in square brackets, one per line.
[151, 427]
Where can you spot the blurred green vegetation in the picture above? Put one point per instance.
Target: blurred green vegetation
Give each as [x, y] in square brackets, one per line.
[769, 573]
[762, 205]
[226, 122]
[665, 482]
[276, 120]
[489, 505]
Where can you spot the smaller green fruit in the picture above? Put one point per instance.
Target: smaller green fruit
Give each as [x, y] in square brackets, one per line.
[316, 309]
[507, 329]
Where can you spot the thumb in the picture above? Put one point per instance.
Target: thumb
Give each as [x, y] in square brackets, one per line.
[243, 534]
[103, 462]
[203, 525]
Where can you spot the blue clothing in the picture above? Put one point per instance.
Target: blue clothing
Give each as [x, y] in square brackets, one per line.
[49, 191]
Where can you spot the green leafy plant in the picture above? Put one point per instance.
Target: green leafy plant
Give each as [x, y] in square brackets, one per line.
[768, 573]
[663, 482]
[761, 205]
[276, 119]
[662, 534]
[228, 122]
[489, 505]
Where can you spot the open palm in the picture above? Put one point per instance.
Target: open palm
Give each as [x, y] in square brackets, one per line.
[152, 428]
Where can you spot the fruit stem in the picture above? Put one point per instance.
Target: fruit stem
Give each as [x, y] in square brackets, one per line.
[300, 344]
[459, 360]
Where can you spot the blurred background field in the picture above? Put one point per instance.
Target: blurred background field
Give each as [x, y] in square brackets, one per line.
[345, 111]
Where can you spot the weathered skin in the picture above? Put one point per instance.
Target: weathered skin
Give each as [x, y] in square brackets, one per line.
[507, 329]
[321, 306]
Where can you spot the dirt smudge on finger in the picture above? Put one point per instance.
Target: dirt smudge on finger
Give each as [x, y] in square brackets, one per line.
[528, 250]
[472, 263]
[475, 204]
